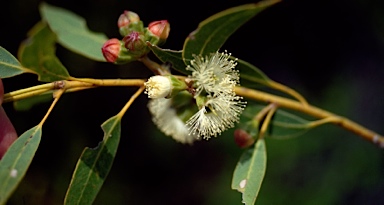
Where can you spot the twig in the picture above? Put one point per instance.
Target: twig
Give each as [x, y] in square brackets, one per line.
[313, 111]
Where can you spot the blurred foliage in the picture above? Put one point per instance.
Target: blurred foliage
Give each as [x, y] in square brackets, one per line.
[330, 51]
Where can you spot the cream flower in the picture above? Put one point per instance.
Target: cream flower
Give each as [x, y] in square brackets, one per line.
[208, 73]
[158, 86]
[219, 113]
[166, 119]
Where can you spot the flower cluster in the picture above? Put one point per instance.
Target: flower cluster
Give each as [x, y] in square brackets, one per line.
[211, 90]
[219, 107]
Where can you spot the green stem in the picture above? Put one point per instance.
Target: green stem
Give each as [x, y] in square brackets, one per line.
[153, 66]
[272, 109]
[72, 85]
[12, 97]
[110, 82]
[288, 90]
[60, 93]
[28, 92]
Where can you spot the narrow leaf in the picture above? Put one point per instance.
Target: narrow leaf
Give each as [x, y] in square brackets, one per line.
[249, 172]
[212, 33]
[37, 53]
[94, 165]
[9, 65]
[283, 125]
[73, 33]
[170, 56]
[16, 161]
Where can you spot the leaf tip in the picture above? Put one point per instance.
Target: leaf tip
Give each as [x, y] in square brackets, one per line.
[266, 3]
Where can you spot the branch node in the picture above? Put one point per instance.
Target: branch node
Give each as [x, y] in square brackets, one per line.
[58, 84]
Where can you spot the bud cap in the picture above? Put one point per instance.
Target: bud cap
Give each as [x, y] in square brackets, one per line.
[243, 139]
[160, 29]
[111, 49]
[126, 18]
[134, 41]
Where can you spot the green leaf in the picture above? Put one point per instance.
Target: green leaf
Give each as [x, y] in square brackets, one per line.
[37, 53]
[16, 161]
[213, 32]
[9, 65]
[94, 165]
[249, 172]
[283, 124]
[170, 56]
[73, 33]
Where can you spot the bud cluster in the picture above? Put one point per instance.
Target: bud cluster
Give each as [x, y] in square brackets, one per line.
[133, 45]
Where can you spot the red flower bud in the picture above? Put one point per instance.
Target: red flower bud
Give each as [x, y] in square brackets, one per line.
[111, 50]
[134, 41]
[160, 29]
[126, 18]
[243, 139]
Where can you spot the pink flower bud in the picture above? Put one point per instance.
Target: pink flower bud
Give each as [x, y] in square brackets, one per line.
[160, 29]
[134, 41]
[111, 50]
[243, 139]
[126, 18]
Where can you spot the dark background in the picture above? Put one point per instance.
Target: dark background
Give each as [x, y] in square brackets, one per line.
[330, 51]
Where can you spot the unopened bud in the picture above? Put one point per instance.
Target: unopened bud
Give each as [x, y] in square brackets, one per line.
[159, 86]
[126, 18]
[243, 139]
[111, 50]
[114, 52]
[127, 21]
[160, 29]
[134, 41]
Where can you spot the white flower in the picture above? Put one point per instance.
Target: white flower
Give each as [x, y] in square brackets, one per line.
[214, 79]
[208, 73]
[219, 113]
[158, 86]
[166, 119]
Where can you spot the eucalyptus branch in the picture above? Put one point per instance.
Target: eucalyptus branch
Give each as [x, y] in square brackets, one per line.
[110, 82]
[72, 85]
[27, 92]
[202, 105]
[19, 96]
[76, 84]
[312, 111]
